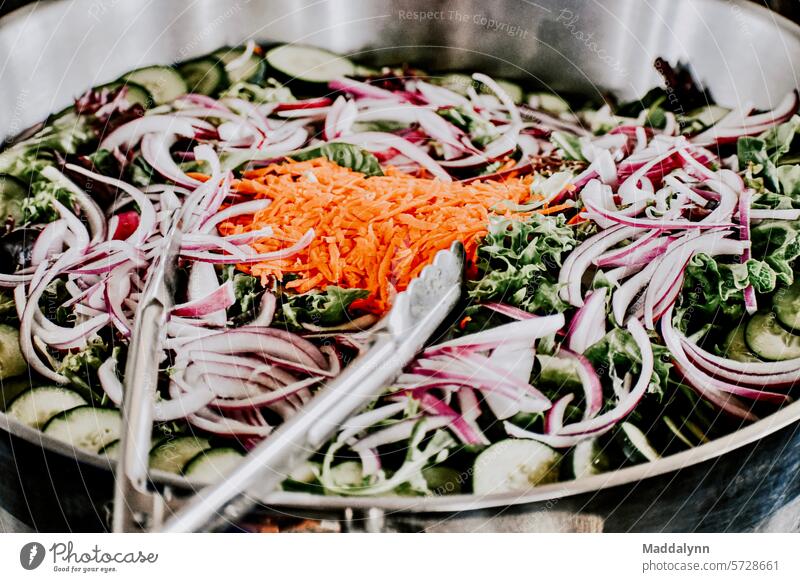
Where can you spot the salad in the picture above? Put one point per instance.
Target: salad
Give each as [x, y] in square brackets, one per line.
[630, 289]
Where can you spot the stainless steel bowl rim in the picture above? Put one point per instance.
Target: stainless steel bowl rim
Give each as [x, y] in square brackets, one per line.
[463, 502]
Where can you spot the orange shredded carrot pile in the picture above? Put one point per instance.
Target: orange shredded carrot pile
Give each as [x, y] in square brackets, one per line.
[373, 233]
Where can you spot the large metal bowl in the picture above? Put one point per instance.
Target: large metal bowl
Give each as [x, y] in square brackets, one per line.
[743, 53]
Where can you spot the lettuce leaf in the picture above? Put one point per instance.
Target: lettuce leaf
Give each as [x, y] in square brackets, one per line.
[247, 290]
[345, 155]
[617, 353]
[518, 262]
[81, 367]
[324, 308]
[762, 157]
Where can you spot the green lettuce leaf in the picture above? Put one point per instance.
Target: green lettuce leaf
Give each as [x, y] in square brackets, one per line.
[518, 262]
[247, 290]
[81, 367]
[481, 132]
[324, 308]
[270, 92]
[345, 155]
[617, 353]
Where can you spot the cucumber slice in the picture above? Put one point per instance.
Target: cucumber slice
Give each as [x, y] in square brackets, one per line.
[443, 480]
[786, 304]
[205, 75]
[12, 193]
[548, 102]
[675, 430]
[635, 444]
[558, 372]
[514, 91]
[588, 459]
[135, 93]
[305, 473]
[514, 465]
[457, 82]
[171, 454]
[36, 406]
[165, 84]
[309, 64]
[11, 361]
[347, 474]
[769, 340]
[86, 427]
[252, 70]
[735, 347]
[708, 115]
[211, 465]
[111, 450]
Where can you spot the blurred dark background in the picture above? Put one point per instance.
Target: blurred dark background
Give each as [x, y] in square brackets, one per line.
[789, 8]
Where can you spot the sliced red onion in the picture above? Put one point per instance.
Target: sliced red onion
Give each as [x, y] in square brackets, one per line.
[745, 200]
[579, 260]
[509, 311]
[234, 210]
[50, 241]
[590, 381]
[220, 259]
[360, 89]
[94, 216]
[588, 325]
[626, 404]
[147, 212]
[712, 389]
[263, 341]
[554, 421]
[243, 58]
[752, 125]
[312, 103]
[458, 425]
[218, 300]
[130, 133]
[519, 332]
[516, 362]
[401, 431]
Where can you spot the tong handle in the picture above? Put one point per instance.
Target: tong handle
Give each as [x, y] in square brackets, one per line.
[293, 443]
[134, 505]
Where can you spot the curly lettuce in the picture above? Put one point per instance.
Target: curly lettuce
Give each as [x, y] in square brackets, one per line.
[519, 260]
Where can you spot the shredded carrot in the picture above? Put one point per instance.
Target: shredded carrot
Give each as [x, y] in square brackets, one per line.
[373, 233]
[577, 219]
[199, 176]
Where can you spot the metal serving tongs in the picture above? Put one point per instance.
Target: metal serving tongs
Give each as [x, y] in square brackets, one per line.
[415, 316]
[136, 506]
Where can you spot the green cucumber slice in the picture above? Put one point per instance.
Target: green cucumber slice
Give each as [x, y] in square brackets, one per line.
[165, 84]
[588, 459]
[36, 406]
[309, 64]
[786, 304]
[172, 453]
[86, 427]
[735, 347]
[514, 465]
[12, 363]
[252, 70]
[211, 465]
[765, 336]
[205, 75]
[635, 444]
